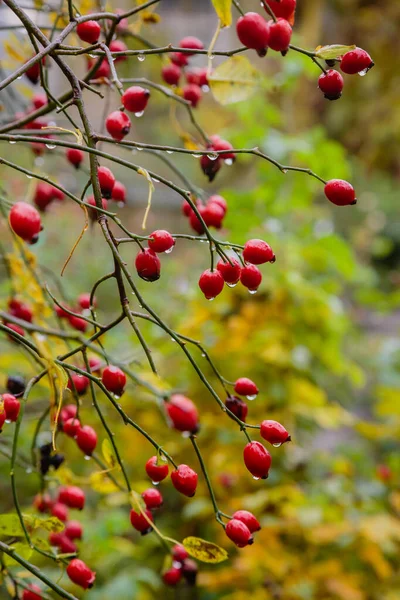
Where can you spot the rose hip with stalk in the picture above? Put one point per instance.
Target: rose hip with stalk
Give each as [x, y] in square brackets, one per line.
[118, 46]
[331, 84]
[219, 144]
[118, 125]
[114, 380]
[230, 272]
[356, 61]
[248, 519]
[257, 459]
[148, 265]
[250, 277]
[106, 181]
[246, 387]
[156, 471]
[211, 283]
[86, 439]
[182, 413]
[253, 31]
[78, 382]
[71, 427]
[280, 34]
[79, 573]
[195, 222]
[89, 31]
[68, 412]
[135, 99]
[25, 222]
[63, 543]
[161, 241]
[210, 167]
[258, 252]
[77, 323]
[340, 192]
[11, 407]
[239, 533]
[179, 553]
[152, 498]
[237, 406]
[192, 93]
[171, 74]
[274, 433]
[184, 479]
[75, 157]
[282, 8]
[139, 521]
[213, 215]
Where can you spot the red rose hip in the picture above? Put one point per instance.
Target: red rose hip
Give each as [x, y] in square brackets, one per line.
[182, 413]
[161, 241]
[139, 521]
[118, 125]
[340, 192]
[114, 380]
[25, 221]
[106, 181]
[184, 479]
[356, 61]
[274, 433]
[253, 31]
[79, 573]
[280, 34]
[246, 387]
[148, 265]
[135, 99]
[11, 406]
[239, 533]
[230, 272]
[258, 252]
[331, 84]
[33, 592]
[156, 471]
[248, 519]
[152, 498]
[257, 459]
[211, 283]
[89, 31]
[86, 439]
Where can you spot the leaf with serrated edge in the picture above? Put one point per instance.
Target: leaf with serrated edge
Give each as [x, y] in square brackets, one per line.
[333, 51]
[223, 8]
[204, 551]
[234, 80]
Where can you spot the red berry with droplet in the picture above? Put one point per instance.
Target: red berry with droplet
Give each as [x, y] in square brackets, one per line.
[25, 221]
[179, 553]
[118, 125]
[182, 413]
[245, 387]
[253, 31]
[87, 439]
[119, 192]
[280, 34]
[114, 380]
[139, 521]
[331, 84]
[73, 530]
[75, 157]
[148, 265]
[156, 471]
[172, 576]
[89, 31]
[239, 533]
[152, 498]
[32, 593]
[171, 74]
[213, 215]
[356, 61]
[161, 241]
[258, 252]
[274, 432]
[106, 181]
[71, 427]
[135, 98]
[248, 519]
[340, 192]
[184, 479]
[11, 406]
[257, 459]
[211, 283]
[118, 46]
[230, 272]
[210, 167]
[79, 573]
[237, 406]
[191, 42]
[78, 382]
[220, 144]
[192, 93]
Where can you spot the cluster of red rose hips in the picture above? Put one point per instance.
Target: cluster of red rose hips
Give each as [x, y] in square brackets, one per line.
[357, 61]
[182, 566]
[83, 307]
[69, 497]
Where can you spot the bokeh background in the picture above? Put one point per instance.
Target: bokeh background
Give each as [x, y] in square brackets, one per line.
[320, 337]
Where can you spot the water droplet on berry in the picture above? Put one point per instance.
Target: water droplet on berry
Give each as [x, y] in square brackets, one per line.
[169, 250]
[186, 434]
[155, 482]
[278, 445]
[13, 142]
[92, 55]
[196, 155]
[205, 88]
[211, 299]
[8, 421]
[120, 204]
[163, 458]
[211, 56]
[117, 397]
[228, 161]
[231, 285]
[363, 72]
[253, 292]
[139, 114]
[20, 77]
[141, 57]
[176, 564]
[87, 457]
[251, 397]
[256, 478]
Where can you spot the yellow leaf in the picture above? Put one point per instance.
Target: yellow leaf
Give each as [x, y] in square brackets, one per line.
[223, 8]
[204, 551]
[150, 17]
[234, 80]
[108, 454]
[189, 142]
[11, 50]
[99, 482]
[373, 555]
[332, 51]
[10, 525]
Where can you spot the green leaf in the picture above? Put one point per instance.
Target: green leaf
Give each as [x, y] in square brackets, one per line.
[10, 525]
[204, 551]
[52, 524]
[21, 548]
[332, 51]
[234, 80]
[223, 8]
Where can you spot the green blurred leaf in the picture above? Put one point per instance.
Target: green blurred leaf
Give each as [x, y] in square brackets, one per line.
[333, 51]
[234, 80]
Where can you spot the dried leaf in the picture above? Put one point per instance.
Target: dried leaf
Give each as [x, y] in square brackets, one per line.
[204, 551]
